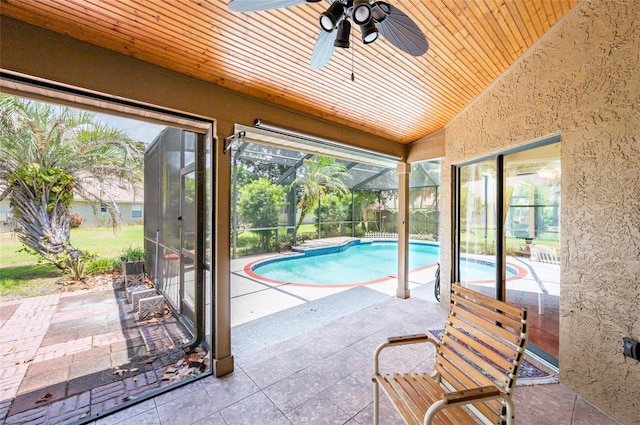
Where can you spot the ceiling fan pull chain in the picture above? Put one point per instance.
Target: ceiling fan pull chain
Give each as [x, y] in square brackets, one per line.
[353, 52]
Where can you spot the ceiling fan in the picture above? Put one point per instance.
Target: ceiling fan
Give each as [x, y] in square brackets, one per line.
[374, 19]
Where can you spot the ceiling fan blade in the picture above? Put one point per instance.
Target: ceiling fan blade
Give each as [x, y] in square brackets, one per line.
[323, 49]
[401, 31]
[255, 5]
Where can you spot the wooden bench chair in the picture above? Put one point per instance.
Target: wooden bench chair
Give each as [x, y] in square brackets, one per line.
[476, 366]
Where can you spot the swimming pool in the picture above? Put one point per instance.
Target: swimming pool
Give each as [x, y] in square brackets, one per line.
[357, 263]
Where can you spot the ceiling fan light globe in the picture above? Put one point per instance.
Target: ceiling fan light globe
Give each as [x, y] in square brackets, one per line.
[369, 33]
[326, 23]
[329, 18]
[370, 38]
[361, 12]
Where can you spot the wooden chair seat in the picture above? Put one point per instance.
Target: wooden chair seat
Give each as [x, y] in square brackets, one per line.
[414, 393]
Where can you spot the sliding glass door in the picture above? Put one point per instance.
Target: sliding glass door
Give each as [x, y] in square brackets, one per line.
[477, 226]
[507, 234]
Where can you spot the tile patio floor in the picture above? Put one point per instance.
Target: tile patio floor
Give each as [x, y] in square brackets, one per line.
[302, 355]
[322, 376]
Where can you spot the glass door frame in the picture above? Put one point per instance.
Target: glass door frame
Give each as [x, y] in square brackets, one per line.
[460, 179]
[500, 252]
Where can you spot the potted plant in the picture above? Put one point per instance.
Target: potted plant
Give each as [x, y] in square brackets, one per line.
[132, 259]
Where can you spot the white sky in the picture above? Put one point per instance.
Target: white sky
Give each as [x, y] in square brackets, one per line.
[137, 130]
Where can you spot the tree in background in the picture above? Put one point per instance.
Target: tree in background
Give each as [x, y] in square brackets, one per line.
[48, 154]
[259, 206]
[334, 212]
[320, 175]
[366, 203]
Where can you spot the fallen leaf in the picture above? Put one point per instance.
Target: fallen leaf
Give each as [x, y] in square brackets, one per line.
[12, 350]
[135, 369]
[84, 415]
[44, 398]
[150, 360]
[195, 357]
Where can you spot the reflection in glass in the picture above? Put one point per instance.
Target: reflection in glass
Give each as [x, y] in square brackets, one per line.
[528, 271]
[532, 239]
[189, 143]
[477, 215]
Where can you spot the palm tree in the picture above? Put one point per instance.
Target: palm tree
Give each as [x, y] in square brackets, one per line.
[48, 154]
[321, 174]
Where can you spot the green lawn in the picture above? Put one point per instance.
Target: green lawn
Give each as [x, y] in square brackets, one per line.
[28, 281]
[20, 276]
[104, 241]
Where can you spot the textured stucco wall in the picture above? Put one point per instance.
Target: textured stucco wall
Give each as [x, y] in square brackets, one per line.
[582, 81]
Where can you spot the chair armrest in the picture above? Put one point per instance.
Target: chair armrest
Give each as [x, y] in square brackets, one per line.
[470, 396]
[466, 396]
[408, 339]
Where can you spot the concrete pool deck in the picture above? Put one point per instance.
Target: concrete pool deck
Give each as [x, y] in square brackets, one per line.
[253, 298]
[536, 286]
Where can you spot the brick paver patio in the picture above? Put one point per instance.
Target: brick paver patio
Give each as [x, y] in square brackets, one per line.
[70, 355]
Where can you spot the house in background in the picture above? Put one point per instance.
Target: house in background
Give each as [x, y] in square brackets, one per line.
[130, 201]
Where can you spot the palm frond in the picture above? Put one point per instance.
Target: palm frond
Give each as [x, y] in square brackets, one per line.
[47, 139]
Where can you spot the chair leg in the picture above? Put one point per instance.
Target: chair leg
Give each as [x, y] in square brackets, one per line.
[510, 411]
[376, 403]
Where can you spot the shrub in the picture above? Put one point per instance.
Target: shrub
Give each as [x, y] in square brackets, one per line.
[247, 239]
[259, 204]
[335, 210]
[102, 265]
[131, 254]
[75, 267]
[75, 220]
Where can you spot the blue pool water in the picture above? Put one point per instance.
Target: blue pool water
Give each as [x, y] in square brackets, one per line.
[358, 263]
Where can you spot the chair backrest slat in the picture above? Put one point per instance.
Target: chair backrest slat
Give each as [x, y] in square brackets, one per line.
[482, 344]
[490, 314]
[478, 361]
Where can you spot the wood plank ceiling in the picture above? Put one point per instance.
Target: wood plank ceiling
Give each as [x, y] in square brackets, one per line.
[266, 54]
